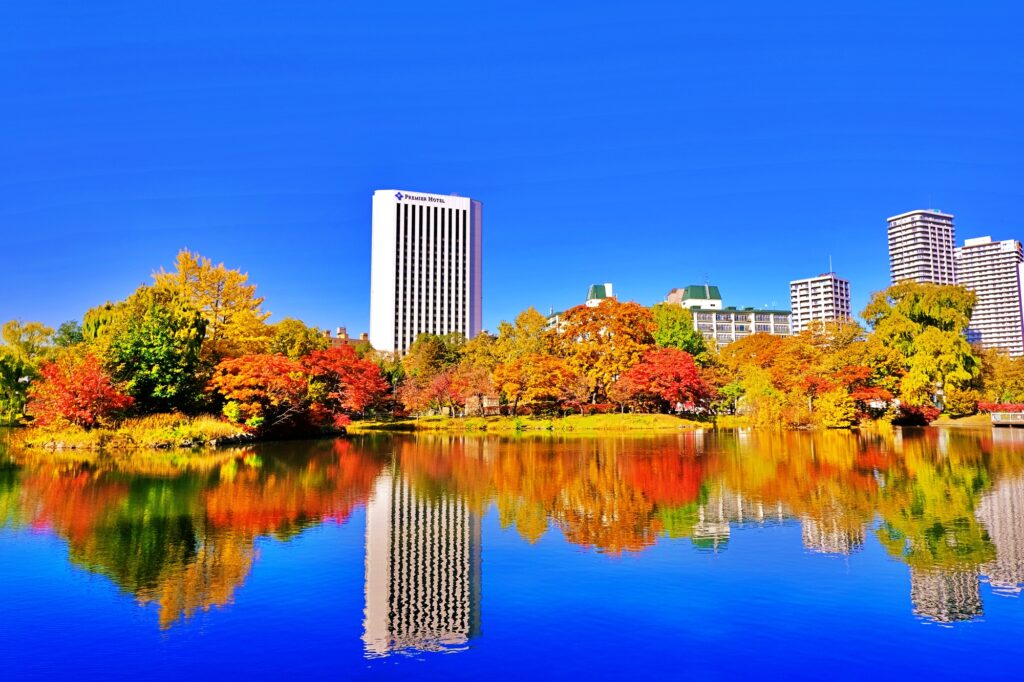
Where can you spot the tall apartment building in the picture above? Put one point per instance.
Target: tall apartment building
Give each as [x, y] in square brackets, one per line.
[824, 298]
[426, 274]
[727, 324]
[921, 247]
[422, 578]
[993, 270]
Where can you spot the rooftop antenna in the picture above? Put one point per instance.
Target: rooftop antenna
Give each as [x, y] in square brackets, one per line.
[830, 270]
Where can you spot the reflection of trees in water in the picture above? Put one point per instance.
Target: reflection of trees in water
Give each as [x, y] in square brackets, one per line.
[926, 486]
[948, 504]
[187, 542]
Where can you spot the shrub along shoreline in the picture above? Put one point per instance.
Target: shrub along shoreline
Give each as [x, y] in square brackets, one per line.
[156, 432]
[611, 423]
[197, 342]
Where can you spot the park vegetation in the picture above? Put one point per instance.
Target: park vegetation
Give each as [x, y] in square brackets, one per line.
[196, 342]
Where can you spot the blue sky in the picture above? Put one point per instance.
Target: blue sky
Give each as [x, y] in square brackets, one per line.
[652, 145]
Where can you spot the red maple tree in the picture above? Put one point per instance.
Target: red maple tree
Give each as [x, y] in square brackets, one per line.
[666, 375]
[75, 391]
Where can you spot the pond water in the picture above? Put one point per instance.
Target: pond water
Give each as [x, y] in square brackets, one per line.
[697, 555]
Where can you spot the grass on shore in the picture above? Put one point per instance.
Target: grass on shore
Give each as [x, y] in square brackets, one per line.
[576, 423]
[158, 431]
[973, 421]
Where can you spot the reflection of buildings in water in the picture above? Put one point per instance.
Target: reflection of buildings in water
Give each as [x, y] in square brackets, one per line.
[829, 536]
[945, 596]
[1007, 436]
[1001, 511]
[724, 508]
[422, 570]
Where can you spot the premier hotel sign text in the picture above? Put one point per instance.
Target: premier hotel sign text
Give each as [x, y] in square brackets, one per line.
[413, 197]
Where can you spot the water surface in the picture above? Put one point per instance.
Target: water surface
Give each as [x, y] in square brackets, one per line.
[691, 556]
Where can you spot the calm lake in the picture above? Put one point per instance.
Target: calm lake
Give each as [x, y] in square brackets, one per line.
[697, 555]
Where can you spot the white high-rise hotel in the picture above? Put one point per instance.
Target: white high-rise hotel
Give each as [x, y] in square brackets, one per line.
[993, 270]
[426, 267]
[921, 247]
[824, 298]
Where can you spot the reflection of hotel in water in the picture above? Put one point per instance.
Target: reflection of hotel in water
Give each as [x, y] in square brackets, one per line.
[950, 595]
[422, 570]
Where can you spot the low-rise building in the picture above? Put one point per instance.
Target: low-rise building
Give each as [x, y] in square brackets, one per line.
[696, 296]
[343, 339]
[724, 325]
[595, 295]
[598, 293]
[731, 324]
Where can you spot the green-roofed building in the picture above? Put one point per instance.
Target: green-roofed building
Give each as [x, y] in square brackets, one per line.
[704, 296]
[723, 325]
[599, 292]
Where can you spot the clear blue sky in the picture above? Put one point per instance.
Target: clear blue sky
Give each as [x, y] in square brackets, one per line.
[652, 145]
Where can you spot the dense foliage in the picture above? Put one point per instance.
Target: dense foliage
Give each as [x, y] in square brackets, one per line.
[197, 340]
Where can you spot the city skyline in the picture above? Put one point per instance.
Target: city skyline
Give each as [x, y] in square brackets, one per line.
[131, 135]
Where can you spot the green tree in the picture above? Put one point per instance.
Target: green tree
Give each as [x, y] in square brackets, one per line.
[294, 339]
[68, 334]
[25, 345]
[29, 342]
[152, 346]
[14, 381]
[673, 328]
[430, 354]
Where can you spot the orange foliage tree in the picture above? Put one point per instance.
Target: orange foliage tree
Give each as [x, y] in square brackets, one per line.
[601, 342]
[266, 391]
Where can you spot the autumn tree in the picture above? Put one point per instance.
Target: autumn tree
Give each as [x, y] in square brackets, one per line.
[667, 377]
[430, 354]
[77, 391]
[228, 303]
[429, 357]
[537, 379]
[601, 342]
[340, 382]
[1002, 377]
[262, 391]
[525, 336]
